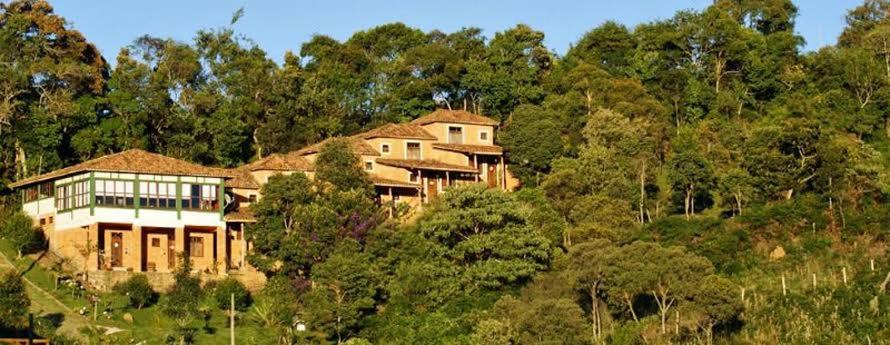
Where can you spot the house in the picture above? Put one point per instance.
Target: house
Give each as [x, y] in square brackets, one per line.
[409, 163]
[136, 211]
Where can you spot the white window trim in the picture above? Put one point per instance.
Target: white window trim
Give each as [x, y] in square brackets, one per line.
[385, 153]
[463, 133]
[366, 165]
[413, 142]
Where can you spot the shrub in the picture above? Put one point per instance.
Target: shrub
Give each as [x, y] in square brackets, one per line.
[138, 291]
[225, 288]
[14, 301]
[19, 229]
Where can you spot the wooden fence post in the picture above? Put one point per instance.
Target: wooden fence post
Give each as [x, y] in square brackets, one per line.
[232, 318]
[784, 292]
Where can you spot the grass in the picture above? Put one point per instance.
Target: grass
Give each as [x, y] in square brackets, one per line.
[149, 325]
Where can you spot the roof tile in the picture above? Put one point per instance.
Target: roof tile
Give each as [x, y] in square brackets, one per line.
[427, 164]
[401, 130]
[132, 161]
[455, 116]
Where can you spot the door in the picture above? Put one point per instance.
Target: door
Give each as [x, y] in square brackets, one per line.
[117, 249]
[492, 175]
[171, 252]
[432, 187]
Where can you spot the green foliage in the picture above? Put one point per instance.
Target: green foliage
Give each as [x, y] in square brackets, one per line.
[138, 291]
[531, 137]
[223, 290]
[182, 302]
[339, 166]
[484, 232]
[19, 229]
[344, 292]
[299, 225]
[14, 301]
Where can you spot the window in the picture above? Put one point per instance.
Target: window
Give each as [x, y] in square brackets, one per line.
[455, 135]
[384, 148]
[46, 190]
[157, 194]
[369, 165]
[31, 194]
[155, 242]
[72, 195]
[37, 192]
[251, 199]
[483, 136]
[196, 247]
[200, 197]
[114, 193]
[413, 151]
[412, 177]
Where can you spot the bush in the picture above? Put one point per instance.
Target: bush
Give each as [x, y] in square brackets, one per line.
[19, 229]
[223, 290]
[14, 301]
[138, 291]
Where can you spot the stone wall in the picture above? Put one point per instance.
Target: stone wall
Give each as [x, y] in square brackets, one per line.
[161, 281]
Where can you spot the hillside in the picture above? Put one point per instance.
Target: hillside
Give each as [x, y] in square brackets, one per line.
[696, 179]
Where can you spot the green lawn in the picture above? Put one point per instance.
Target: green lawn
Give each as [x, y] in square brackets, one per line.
[150, 326]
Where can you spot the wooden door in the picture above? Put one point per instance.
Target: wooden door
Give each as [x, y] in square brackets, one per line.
[432, 187]
[492, 175]
[117, 249]
[171, 252]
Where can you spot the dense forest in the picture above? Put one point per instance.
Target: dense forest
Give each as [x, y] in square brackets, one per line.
[696, 179]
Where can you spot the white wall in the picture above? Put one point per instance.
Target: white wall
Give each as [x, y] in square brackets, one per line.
[147, 217]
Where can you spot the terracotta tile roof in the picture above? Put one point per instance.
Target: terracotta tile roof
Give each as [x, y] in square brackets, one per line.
[426, 164]
[455, 116]
[242, 214]
[359, 145]
[401, 130]
[132, 161]
[385, 182]
[242, 179]
[280, 162]
[477, 149]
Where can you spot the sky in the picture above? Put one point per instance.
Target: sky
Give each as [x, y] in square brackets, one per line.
[278, 26]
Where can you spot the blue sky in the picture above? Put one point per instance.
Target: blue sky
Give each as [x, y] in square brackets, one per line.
[278, 26]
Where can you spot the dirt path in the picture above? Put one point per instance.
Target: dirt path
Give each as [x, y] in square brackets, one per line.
[43, 302]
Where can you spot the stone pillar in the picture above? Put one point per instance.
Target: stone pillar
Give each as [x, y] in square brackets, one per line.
[138, 249]
[222, 257]
[178, 244]
[244, 248]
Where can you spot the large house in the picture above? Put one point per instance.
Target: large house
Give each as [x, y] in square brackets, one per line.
[136, 211]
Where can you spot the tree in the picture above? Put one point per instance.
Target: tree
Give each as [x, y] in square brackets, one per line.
[52, 78]
[714, 303]
[510, 73]
[138, 291]
[20, 230]
[278, 241]
[591, 261]
[532, 139]
[339, 167]
[182, 301]
[484, 232]
[223, 290]
[345, 286]
[14, 301]
[690, 172]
